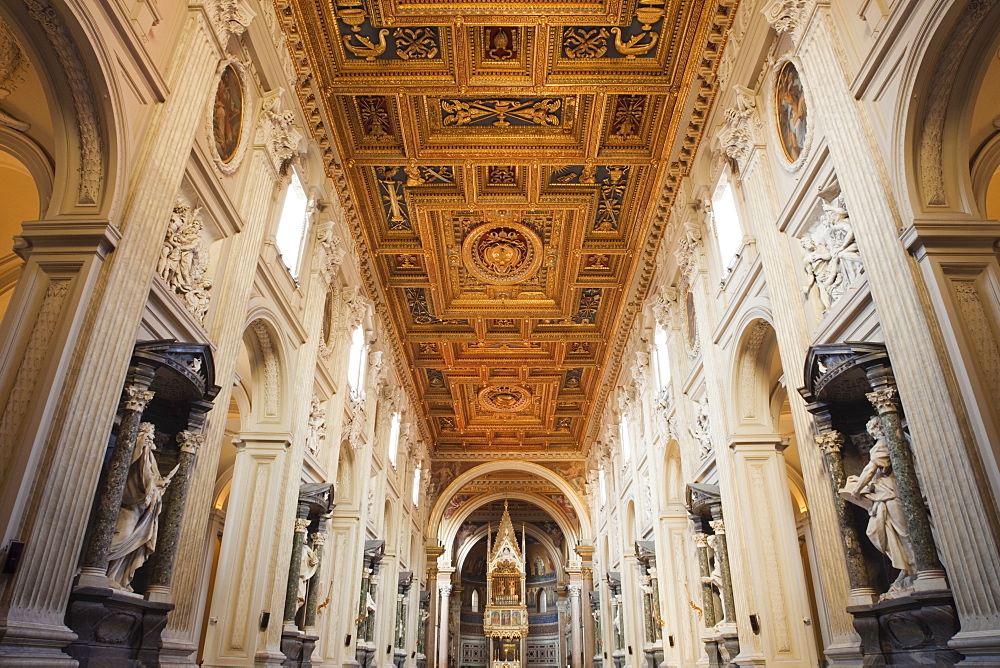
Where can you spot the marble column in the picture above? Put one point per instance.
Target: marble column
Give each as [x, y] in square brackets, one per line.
[106, 299]
[831, 443]
[707, 600]
[444, 592]
[174, 501]
[295, 568]
[312, 598]
[930, 572]
[94, 564]
[722, 554]
[936, 413]
[576, 639]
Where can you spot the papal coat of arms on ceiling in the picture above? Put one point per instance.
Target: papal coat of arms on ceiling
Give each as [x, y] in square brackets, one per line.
[502, 253]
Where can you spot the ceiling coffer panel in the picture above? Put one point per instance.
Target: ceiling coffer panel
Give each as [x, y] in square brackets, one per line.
[508, 164]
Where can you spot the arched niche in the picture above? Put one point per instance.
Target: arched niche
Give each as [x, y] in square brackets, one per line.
[435, 524]
[56, 105]
[449, 530]
[946, 163]
[673, 487]
[756, 370]
[264, 349]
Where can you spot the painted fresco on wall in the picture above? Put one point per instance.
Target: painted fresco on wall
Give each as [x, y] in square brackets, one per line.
[227, 114]
[790, 104]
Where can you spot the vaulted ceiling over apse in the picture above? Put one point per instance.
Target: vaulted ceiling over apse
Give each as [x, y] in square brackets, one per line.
[510, 165]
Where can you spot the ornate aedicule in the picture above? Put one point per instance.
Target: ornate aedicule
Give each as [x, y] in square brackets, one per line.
[505, 622]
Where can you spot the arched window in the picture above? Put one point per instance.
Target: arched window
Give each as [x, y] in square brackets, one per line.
[475, 600]
[726, 223]
[626, 439]
[292, 224]
[356, 363]
[416, 486]
[661, 357]
[394, 424]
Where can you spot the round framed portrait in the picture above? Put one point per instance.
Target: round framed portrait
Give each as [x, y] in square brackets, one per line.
[227, 118]
[792, 122]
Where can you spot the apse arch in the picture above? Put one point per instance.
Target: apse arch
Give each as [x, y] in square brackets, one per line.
[434, 521]
[531, 530]
[449, 529]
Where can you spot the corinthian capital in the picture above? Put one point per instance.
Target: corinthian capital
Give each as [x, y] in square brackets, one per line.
[884, 400]
[189, 441]
[136, 397]
[230, 18]
[785, 16]
[740, 134]
[830, 442]
[278, 133]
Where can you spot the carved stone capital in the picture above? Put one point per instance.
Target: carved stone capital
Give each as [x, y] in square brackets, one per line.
[574, 590]
[688, 249]
[301, 524]
[785, 16]
[136, 397]
[830, 442]
[445, 590]
[718, 526]
[884, 400]
[230, 18]
[189, 441]
[332, 254]
[318, 538]
[277, 131]
[700, 540]
[741, 131]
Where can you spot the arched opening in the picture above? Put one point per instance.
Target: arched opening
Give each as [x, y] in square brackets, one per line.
[545, 554]
[21, 199]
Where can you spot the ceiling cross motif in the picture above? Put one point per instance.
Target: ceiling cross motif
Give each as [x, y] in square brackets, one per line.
[507, 163]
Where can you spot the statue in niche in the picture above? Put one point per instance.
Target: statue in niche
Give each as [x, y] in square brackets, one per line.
[832, 259]
[307, 569]
[875, 490]
[138, 518]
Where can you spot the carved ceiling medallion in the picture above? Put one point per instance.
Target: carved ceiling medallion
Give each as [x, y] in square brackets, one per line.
[502, 253]
[504, 398]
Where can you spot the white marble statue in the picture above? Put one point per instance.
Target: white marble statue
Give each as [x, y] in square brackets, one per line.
[875, 490]
[136, 529]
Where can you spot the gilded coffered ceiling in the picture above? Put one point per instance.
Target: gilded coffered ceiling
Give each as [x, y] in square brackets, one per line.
[510, 165]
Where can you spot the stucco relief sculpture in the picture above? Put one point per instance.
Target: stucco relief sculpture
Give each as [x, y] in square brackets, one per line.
[317, 426]
[831, 259]
[135, 534]
[181, 264]
[700, 431]
[875, 490]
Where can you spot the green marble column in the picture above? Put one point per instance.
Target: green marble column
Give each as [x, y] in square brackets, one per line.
[295, 567]
[312, 597]
[708, 604]
[94, 564]
[831, 443]
[885, 399]
[174, 500]
[722, 554]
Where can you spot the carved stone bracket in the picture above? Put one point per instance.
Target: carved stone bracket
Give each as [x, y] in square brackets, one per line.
[230, 18]
[742, 129]
[277, 131]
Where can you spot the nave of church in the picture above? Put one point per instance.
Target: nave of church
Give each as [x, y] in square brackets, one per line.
[453, 334]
